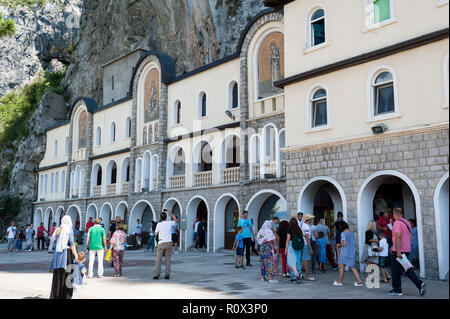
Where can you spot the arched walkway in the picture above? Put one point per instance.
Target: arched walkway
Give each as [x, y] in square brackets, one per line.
[122, 211]
[441, 211]
[323, 197]
[37, 219]
[263, 204]
[196, 208]
[383, 191]
[226, 217]
[144, 211]
[75, 214]
[106, 214]
[48, 218]
[59, 215]
[91, 212]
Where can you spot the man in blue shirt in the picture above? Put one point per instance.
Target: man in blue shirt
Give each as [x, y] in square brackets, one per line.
[247, 234]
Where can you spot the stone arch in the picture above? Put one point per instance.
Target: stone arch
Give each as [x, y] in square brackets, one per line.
[106, 214]
[137, 213]
[176, 164]
[49, 217]
[191, 213]
[219, 218]
[122, 211]
[38, 219]
[365, 199]
[59, 215]
[255, 204]
[225, 160]
[441, 214]
[91, 211]
[74, 212]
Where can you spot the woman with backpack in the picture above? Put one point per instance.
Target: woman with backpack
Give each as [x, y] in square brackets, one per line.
[295, 245]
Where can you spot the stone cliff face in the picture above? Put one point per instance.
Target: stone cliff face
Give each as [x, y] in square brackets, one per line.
[42, 34]
[192, 32]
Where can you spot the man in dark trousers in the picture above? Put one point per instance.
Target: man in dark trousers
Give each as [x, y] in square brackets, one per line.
[401, 237]
[247, 235]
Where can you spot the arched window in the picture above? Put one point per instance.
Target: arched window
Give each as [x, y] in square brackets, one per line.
[233, 95]
[112, 173]
[177, 113]
[99, 177]
[202, 104]
[319, 116]
[112, 132]
[66, 146]
[205, 163]
[128, 127]
[82, 130]
[56, 182]
[383, 93]
[98, 136]
[55, 148]
[63, 181]
[317, 28]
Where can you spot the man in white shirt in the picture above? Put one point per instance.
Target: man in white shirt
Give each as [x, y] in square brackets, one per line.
[163, 232]
[300, 219]
[11, 235]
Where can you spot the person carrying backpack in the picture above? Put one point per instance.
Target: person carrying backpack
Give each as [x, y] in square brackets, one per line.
[295, 245]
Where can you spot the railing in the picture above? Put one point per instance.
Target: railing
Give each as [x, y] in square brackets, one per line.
[125, 187]
[257, 171]
[231, 175]
[283, 168]
[147, 183]
[203, 179]
[271, 168]
[79, 155]
[177, 182]
[97, 190]
[111, 189]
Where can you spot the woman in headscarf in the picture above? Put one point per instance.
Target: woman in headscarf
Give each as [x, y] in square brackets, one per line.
[266, 239]
[63, 256]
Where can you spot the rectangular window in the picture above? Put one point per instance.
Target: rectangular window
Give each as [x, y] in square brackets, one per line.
[384, 99]
[382, 10]
[320, 113]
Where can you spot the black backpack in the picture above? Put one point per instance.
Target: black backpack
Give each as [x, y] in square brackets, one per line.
[297, 242]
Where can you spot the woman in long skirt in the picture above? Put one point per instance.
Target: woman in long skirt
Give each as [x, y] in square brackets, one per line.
[62, 262]
[118, 240]
[267, 258]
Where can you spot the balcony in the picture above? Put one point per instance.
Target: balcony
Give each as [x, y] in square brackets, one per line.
[231, 175]
[203, 179]
[79, 155]
[270, 168]
[111, 189]
[256, 172]
[97, 190]
[177, 182]
[125, 187]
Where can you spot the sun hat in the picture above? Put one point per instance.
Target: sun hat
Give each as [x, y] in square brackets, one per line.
[308, 217]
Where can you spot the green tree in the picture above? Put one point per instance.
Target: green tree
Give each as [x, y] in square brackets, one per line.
[7, 27]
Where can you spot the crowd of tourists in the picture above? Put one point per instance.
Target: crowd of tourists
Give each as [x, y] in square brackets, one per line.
[305, 246]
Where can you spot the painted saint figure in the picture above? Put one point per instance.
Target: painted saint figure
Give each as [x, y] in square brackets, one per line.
[153, 104]
[275, 64]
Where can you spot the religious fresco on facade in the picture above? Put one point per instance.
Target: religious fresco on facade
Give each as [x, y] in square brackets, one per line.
[151, 100]
[270, 65]
[144, 136]
[82, 130]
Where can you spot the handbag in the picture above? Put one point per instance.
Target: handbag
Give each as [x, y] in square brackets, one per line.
[108, 255]
[372, 253]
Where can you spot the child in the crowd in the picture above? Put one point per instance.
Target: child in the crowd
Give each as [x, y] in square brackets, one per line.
[238, 245]
[384, 256]
[321, 247]
[78, 275]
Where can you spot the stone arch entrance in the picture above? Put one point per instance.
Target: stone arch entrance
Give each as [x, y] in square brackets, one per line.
[323, 197]
[91, 212]
[196, 208]
[441, 210]
[386, 190]
[264, 205]
[122, 211]
[59, 215]
[226, 217]
[37, 219]
[74, 213]
[143, 211]
[48, 218]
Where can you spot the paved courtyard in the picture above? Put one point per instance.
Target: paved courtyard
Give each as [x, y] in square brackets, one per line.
[194, 275]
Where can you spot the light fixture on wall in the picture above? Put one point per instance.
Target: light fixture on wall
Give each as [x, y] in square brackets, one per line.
[230, 115]
[379, 129]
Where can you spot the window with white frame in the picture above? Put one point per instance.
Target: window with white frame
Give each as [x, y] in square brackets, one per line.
[128, 127]
[379, 12]
[383, 93]
[202, 104]
[177, 112]
[98, 136]
[319, 112]
[112, 132]
[317, 28]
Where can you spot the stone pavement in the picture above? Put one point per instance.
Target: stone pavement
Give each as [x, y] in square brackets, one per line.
[194, 275]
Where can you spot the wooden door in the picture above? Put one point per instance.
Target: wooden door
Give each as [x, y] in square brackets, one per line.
[231, 221]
